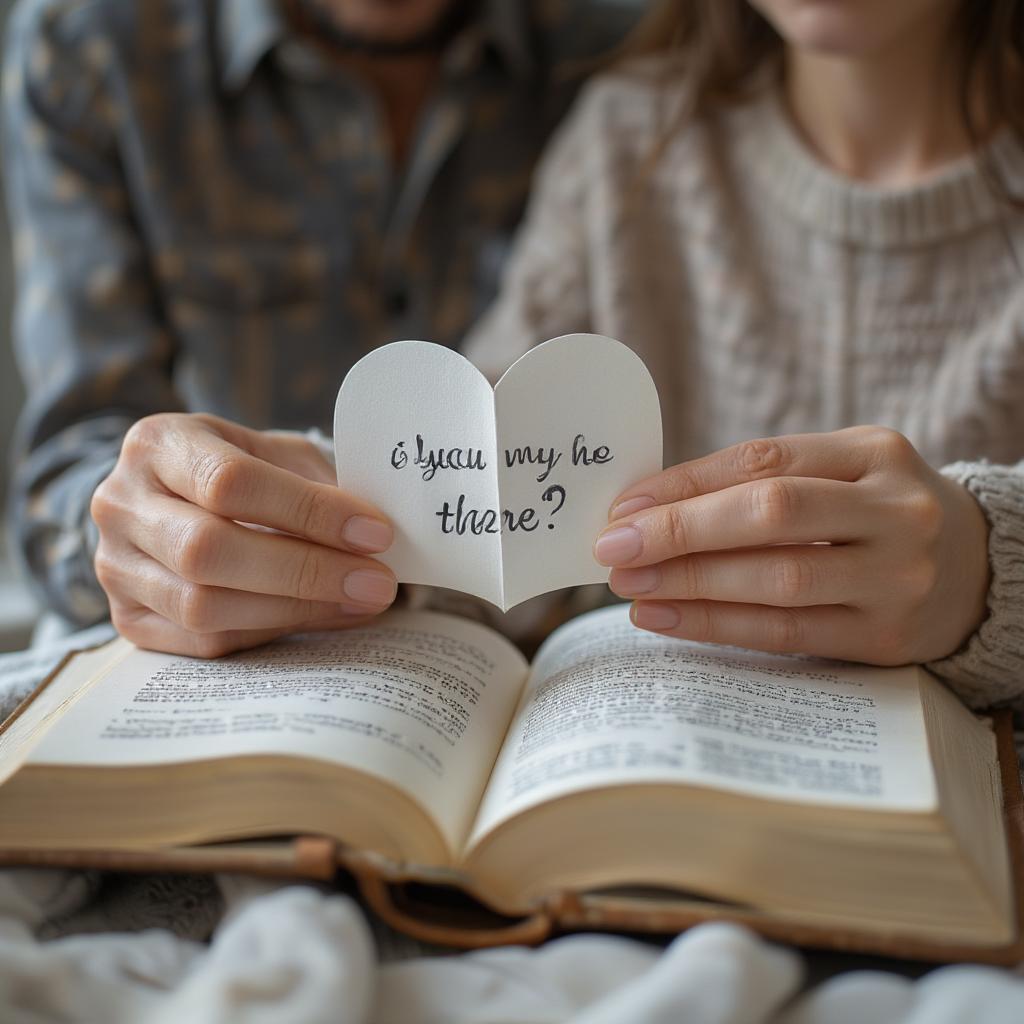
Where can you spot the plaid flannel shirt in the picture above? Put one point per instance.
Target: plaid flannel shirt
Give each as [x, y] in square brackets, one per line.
[206, 217]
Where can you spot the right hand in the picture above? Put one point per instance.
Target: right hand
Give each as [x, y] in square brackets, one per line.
[214, 538]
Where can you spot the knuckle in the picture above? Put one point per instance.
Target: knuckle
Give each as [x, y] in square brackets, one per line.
[865, 433]
[677, 529]
[920, 581]
[313, 514]
[926, 514]
[102, 506]
[106, 568]
[792, 580]
[700, 622]
[211, 645]
[685, 480]
[145, 434]
[308, 610]
[195, 551]
[892, 445]
[123, 623]
[220, 482]
[126, 621]
[309, 575]
[194, 607]
[692, 577]
[761, 455]
[773, 503]
[785, 632]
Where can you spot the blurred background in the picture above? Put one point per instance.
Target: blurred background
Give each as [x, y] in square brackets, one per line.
[16, 607]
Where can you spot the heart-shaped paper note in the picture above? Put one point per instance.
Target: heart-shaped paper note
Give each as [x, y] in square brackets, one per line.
[499, 493]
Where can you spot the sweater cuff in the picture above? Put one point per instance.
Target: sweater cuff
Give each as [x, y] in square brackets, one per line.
[988, 670]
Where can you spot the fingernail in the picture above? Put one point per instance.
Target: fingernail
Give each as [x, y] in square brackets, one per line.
[367, 586]
[631, 505]
[367, 534]
[622, 544]
[635, 581]
[654, 615]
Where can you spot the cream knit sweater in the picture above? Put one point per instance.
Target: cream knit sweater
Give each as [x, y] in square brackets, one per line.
[768, 295]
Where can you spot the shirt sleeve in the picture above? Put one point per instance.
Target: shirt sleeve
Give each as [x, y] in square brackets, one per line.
[89, 338]
[988, 671]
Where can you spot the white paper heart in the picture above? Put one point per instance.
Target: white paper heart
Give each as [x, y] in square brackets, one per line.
[498, 493]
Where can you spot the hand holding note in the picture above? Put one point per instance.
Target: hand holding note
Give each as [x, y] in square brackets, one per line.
[847, 545]
[497, 492]
[182, 564]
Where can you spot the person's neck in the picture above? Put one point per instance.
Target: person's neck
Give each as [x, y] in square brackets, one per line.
[401, 82]
[402, 85]
[891, 118]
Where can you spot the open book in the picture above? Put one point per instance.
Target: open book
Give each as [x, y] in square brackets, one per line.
[822, 794]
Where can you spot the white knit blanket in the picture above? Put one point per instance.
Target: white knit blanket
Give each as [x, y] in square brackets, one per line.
[110, 949]
[297, 955]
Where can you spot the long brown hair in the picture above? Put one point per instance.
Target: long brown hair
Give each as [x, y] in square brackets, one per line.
[726, 46]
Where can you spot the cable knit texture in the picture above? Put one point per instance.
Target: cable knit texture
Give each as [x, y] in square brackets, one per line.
[769, 295]
[988, 670]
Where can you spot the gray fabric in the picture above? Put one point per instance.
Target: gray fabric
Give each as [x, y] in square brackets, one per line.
[988, 671]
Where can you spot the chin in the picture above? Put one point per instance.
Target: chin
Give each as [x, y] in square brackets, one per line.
[848, 28]
[386, 21]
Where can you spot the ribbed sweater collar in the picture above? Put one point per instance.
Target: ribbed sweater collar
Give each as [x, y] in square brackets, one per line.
[955, 200]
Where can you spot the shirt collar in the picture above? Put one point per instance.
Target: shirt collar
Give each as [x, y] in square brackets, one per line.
[248, 29]
[506, 26]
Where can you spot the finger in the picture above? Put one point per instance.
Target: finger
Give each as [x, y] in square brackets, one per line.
[151, 631]
[832, 631]
[207, 470]
[198, 608]
[782, 510]
[284, 448]
[204, 548]
[790, 576]
[837, 455]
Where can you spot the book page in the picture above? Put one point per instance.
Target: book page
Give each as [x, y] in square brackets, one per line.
[419, 699]
[22, 671]
[20, 733]
[563, 459]
[608, 704]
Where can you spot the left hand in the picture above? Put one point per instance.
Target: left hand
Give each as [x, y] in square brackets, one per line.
[844, 545]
